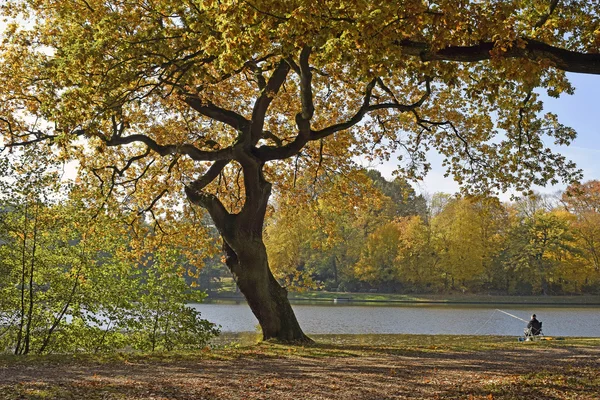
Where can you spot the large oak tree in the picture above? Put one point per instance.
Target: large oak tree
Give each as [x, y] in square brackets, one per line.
[220, 99]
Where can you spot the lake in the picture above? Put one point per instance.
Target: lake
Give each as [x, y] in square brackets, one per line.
[455, 319]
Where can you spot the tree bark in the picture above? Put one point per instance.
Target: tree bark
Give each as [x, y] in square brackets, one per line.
[23, 275]
[265, 296]
[246, 254]
[31, 293]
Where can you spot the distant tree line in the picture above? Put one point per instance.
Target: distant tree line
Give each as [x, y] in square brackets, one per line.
[370, 234]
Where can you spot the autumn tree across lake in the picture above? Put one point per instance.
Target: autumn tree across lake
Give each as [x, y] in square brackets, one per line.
[537, 245]
[169, 105]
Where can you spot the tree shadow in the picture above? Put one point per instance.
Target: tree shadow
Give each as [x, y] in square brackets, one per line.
[326, 372]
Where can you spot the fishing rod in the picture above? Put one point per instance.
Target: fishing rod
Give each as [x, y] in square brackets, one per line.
[509, 314]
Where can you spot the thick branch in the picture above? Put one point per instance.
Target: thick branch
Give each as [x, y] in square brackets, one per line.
[305, 135]
[215, 112]
[206, 200]
[266, 97]
[185, 149]
[267, 153]
[270, 135]
[209, 175]
[212, 204]
[306, 94]
[566, 60]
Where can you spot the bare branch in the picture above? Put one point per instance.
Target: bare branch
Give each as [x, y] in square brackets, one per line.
[153, 203]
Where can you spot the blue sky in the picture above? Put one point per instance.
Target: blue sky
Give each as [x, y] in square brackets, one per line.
[580, 111]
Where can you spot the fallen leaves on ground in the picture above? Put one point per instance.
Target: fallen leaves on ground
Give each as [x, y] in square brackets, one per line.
[325, 371]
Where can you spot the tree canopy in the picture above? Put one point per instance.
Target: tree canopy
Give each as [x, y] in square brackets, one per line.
[185, 79]
[222, 98]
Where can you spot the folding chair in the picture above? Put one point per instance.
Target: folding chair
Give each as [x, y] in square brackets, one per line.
[533, 333]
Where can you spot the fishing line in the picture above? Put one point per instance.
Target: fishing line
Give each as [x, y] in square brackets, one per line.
[514, 316]
[490, 318]
[485, 323]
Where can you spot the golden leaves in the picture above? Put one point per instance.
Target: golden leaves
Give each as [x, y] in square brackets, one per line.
[125, 68]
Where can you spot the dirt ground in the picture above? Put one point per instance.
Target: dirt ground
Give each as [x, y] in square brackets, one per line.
[343, 372]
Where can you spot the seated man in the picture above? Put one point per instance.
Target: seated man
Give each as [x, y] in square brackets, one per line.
[534, 327]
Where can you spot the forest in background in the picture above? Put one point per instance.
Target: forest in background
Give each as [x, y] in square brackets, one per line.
[368, 234]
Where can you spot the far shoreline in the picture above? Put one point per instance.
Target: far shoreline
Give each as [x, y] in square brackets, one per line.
[423, 299]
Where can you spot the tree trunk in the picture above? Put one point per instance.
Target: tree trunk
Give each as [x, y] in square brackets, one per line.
[335, 272]
[31, 271]
[265, 296]
[23, 275]
[246, 255]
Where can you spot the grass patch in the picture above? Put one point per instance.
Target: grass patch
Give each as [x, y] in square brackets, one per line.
[445, 298]
[325, 346]
[318, 296]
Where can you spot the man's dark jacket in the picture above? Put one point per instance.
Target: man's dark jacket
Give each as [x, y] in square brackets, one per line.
[535, 326]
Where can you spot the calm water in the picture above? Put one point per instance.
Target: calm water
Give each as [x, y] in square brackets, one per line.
[416, 319]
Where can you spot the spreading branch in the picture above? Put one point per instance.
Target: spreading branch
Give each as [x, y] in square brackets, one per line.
[306, 134]
[153, 203]
[210, 202]
[355, 119]
[183, 149]
[209, 176]
[32, 137]
[566, 60]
